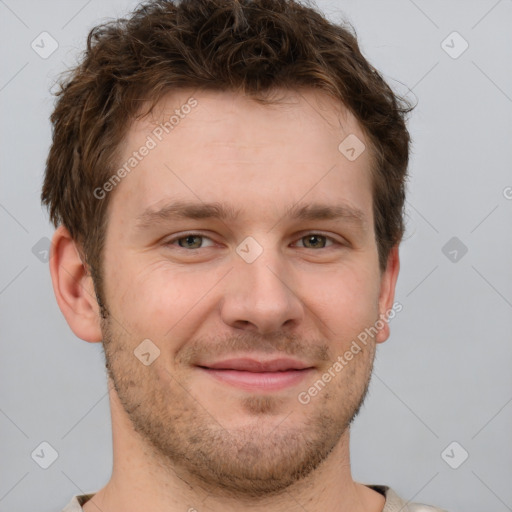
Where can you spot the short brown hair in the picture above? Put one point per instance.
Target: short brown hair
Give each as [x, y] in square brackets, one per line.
[253, 46]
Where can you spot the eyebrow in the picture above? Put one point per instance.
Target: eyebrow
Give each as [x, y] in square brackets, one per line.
[196, 211]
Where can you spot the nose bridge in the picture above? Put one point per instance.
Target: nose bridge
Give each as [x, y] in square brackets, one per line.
[258, 294]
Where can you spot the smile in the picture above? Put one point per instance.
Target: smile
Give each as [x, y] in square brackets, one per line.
[254, 375]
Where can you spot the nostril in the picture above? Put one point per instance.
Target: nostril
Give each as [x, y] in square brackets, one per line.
[242, 324]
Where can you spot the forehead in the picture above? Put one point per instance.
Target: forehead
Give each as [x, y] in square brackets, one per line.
[224, 147]
[225, 110]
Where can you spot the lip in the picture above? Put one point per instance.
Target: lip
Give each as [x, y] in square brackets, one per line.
[254, 375]
[253, 365]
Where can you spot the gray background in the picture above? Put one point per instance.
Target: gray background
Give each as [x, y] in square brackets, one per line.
[443, 376]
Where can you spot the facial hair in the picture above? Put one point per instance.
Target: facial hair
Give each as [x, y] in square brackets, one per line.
[260, 458]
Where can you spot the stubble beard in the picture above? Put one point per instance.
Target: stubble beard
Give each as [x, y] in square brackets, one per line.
[183, 436]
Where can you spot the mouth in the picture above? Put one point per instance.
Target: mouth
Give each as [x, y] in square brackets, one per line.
[257, 375]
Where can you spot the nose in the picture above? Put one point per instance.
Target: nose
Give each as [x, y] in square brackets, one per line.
[261, 296]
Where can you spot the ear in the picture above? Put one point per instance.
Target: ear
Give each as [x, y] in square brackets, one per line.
[73, 287]
[387, 292]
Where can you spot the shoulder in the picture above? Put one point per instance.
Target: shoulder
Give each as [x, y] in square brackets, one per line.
[75, 505]
[394, 503]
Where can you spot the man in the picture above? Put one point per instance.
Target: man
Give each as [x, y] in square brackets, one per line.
[227, 182]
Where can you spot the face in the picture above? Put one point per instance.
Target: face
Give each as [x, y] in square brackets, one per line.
[242, 247]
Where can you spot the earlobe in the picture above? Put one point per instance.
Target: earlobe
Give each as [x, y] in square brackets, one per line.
[387, 292]
[73, 287]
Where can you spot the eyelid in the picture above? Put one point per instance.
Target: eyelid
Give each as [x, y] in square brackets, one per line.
[320, 233]
[180, 236]
[300, 236]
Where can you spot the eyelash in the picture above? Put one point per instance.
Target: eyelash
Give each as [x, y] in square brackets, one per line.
[186, 235]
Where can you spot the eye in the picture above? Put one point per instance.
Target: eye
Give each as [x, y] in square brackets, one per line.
[316, 241]
[190, 241]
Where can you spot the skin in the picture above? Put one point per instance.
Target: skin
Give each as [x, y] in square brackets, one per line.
[183, 440]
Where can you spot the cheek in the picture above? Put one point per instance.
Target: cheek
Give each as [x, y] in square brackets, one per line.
[158, 301]
[346, 300]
